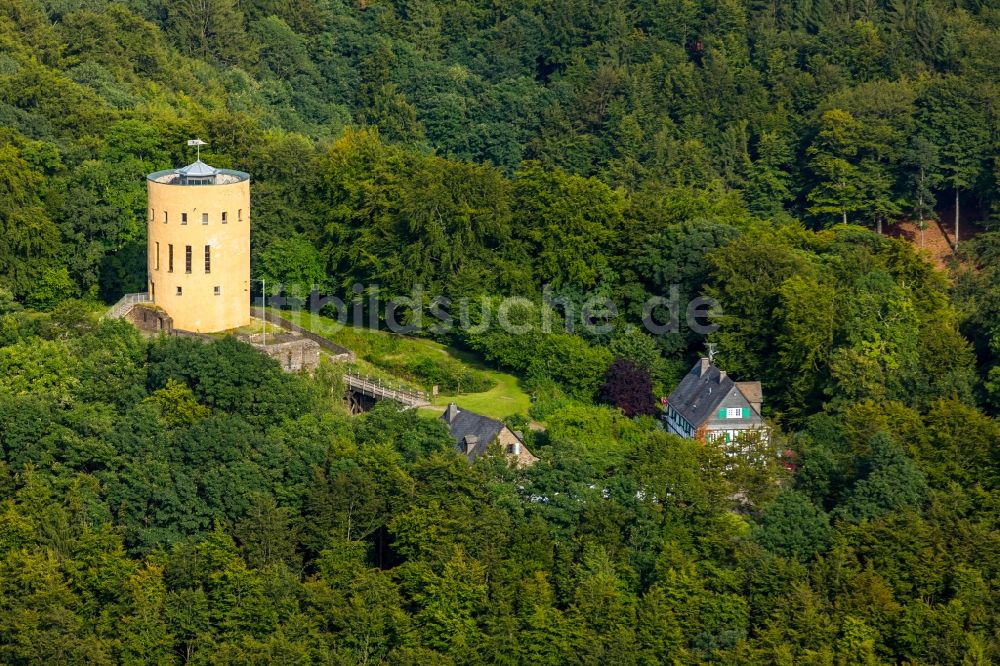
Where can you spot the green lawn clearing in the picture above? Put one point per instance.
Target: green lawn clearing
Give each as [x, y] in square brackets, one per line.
[415, 361]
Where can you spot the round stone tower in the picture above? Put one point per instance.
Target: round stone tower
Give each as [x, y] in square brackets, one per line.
[199, 246]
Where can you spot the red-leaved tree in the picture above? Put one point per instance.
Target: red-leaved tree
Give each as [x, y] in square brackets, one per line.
[629, 387]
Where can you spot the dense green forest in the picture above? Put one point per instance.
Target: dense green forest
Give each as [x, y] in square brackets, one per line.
[170, 501]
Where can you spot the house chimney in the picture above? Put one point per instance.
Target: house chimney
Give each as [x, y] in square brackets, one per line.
[703, 368]
[451, 412]
[722, 376]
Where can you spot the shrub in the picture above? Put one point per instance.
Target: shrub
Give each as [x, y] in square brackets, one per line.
[451, 376]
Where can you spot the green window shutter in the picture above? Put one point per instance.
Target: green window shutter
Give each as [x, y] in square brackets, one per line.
[722, 413]
[746, 412]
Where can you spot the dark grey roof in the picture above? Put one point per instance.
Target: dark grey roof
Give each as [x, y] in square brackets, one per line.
[481, 430]
[700, 392]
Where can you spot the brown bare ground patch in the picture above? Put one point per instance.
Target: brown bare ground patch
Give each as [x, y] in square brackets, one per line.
[938, 240]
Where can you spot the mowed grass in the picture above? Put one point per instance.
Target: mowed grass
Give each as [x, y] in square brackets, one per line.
[505, 398]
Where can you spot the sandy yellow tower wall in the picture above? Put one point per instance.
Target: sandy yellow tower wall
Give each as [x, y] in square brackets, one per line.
[198, 308]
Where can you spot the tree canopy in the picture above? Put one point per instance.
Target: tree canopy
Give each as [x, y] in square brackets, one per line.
[166, 500]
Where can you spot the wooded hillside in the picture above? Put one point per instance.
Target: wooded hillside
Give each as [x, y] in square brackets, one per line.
[170, 501]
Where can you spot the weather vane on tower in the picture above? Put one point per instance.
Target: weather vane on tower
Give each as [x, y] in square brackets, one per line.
[199, 143]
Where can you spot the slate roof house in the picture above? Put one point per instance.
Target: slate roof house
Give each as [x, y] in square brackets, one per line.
[708, 405]
[474, 433]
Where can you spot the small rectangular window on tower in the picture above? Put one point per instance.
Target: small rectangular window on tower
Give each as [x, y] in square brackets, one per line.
[180, 291]
[239, 215]
[152, 214]
[184, 218]
[170, 258]
[224, 220]
[187, 258]
[208, 259]
[156, 260]
[204, 218]
[218, 291]
[164, 217]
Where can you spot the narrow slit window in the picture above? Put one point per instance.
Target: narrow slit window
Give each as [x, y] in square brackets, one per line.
[187, 258]
[170, 258]
[164, 217]
[156, 260]
[152, 214]
[239, 215]
[184, 218]
[224, 220]
[204, 218]
[208, 259]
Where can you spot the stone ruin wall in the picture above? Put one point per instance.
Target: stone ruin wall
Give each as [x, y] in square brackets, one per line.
[149, 319]
[292, 352]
